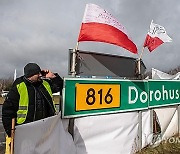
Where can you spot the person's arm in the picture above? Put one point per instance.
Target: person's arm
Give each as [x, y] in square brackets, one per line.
[9, 109]
[57, 84]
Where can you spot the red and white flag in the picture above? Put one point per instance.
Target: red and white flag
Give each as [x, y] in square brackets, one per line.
[99, 25]
[156, 36]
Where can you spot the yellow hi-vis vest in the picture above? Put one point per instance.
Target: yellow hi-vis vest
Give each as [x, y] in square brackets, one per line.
[24, 100]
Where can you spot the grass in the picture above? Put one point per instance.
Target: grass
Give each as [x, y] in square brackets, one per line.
[56, 99]
[1, 100]
[170, 146]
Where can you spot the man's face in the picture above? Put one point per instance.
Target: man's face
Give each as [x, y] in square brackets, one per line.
[35, 78]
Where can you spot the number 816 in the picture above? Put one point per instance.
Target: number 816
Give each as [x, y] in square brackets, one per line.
[91, 99]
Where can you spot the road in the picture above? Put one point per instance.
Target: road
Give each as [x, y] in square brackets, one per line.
[2, 133]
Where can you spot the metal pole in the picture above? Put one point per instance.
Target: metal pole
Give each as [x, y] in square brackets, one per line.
[178, 110]
[73, 71]
[73, 74]
[140, 130]
[151, 124]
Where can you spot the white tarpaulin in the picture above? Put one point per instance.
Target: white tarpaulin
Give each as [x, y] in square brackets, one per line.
[47, 136]
[168, 119]
[168, 116]
[146, 129]
[105, 134]
[110, 134]
[102, 134]
[156, 74]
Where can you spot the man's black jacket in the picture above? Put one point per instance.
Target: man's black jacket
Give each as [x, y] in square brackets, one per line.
[11, 103]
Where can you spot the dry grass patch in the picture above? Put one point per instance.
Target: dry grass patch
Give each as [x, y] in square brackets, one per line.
[56, 99]
[1, 100]
[170, 146]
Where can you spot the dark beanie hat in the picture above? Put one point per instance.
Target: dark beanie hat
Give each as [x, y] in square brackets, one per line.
[31, 69]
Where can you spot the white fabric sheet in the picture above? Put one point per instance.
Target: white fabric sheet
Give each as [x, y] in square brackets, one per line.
[103, 134]
[107, 134]
[48, 136]
[168, 116]
[146, 128]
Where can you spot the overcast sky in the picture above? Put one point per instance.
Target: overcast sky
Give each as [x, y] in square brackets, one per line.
[42, 31]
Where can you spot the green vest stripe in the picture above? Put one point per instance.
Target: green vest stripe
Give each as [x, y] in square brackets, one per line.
[24, 100]
[48, 88]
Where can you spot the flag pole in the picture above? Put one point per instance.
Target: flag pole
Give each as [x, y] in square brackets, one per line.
[12, 135]
[73, 70]
[139, 61]
[77, 45]
[141, 53]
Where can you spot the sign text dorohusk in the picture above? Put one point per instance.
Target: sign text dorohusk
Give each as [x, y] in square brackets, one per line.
[85, 96]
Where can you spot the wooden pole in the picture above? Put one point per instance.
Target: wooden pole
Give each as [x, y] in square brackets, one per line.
[73, 70]
[140, 57]
[139, 61]
[12, 135]
[77, 45]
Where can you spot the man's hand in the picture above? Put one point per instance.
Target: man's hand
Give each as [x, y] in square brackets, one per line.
[48, 74]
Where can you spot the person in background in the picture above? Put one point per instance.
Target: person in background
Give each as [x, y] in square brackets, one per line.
[30, 97]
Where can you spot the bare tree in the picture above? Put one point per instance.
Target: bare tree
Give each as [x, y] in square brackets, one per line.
[5, 84]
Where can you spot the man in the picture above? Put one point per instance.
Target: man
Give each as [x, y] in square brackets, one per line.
[30, 97]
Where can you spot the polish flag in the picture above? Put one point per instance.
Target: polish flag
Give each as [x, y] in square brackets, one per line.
[99, 25]
[156, 36]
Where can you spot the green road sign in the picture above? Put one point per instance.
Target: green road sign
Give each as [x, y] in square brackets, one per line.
[84, 96]
[87, 96]
[164, 92]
